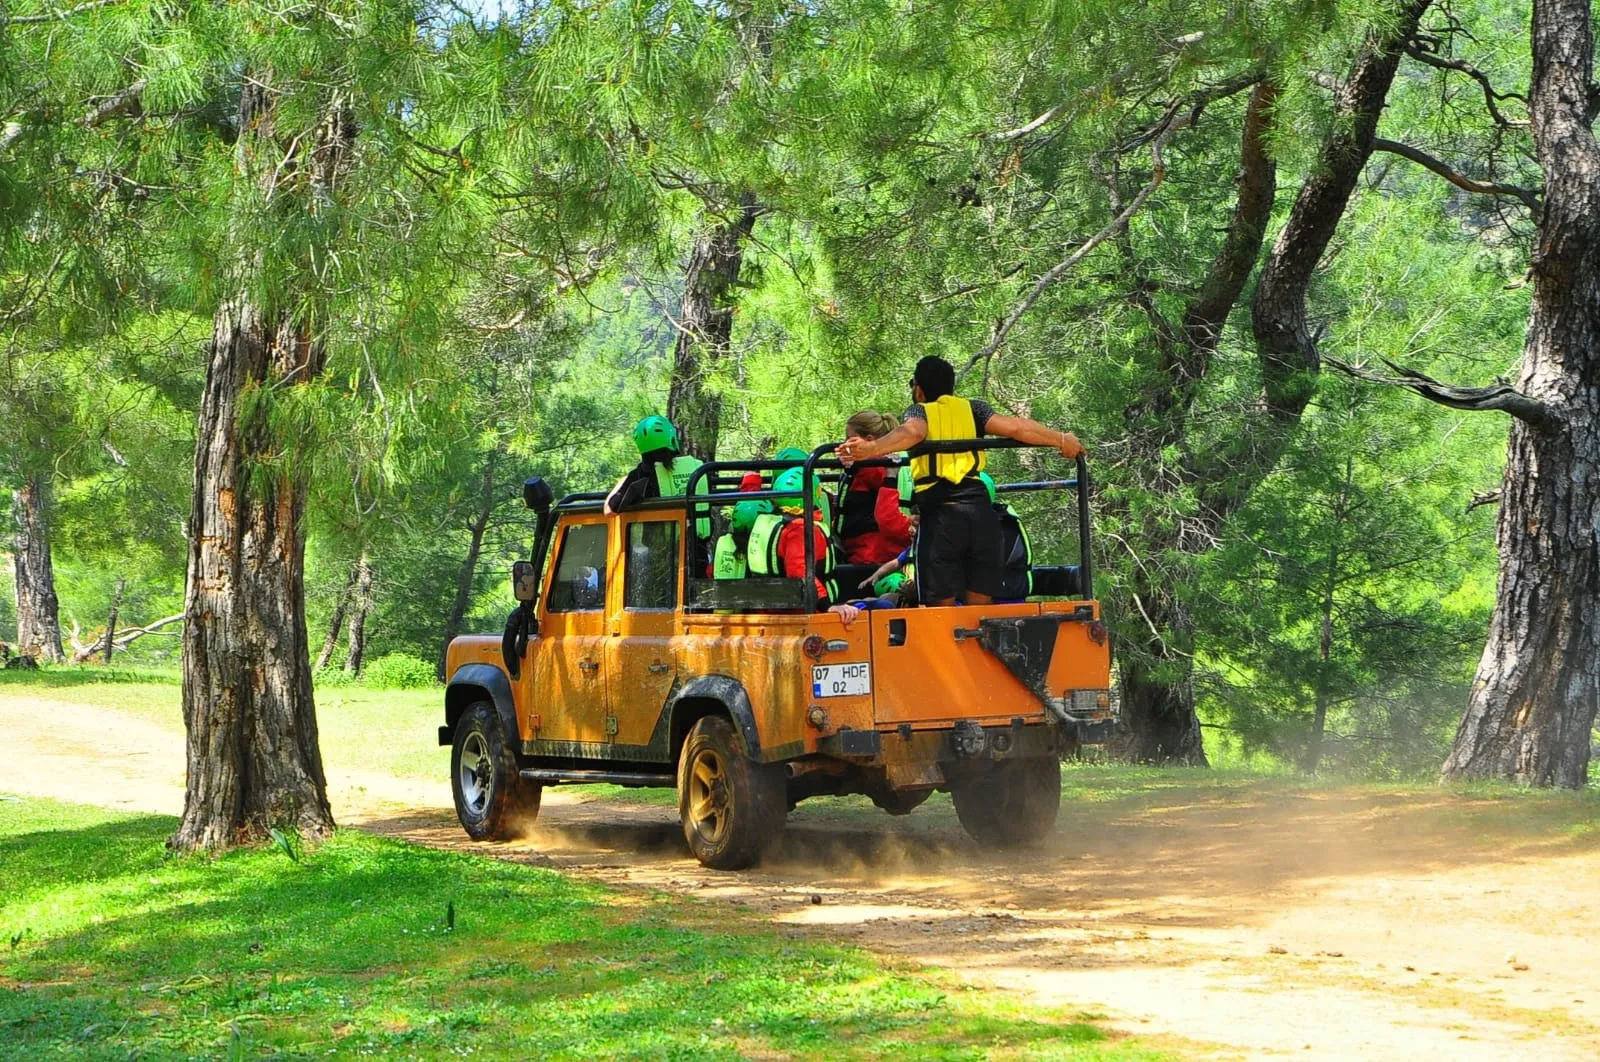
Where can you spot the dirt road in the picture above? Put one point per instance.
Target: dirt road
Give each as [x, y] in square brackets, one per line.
[1252, 917]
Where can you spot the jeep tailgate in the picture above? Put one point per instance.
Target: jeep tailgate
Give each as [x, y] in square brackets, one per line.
[929, 668]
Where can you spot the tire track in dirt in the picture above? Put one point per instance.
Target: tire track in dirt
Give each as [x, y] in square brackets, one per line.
[1330, 923]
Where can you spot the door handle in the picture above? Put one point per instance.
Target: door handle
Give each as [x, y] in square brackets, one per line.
[660, 668]
[588, 665]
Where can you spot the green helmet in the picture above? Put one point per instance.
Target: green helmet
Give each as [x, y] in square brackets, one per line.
[791, 481]
[888, 584]
[655, 433]
[988, 485]
[791, 453]
[745, 513]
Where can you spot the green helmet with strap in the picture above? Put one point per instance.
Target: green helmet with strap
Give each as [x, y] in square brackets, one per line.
[791, 453]
[988, 485]
[744, 514]
[655, 433]
[791, 481]
[888, 584]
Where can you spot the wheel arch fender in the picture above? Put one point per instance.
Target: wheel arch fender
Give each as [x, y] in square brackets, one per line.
[478, 682]
[713, 695]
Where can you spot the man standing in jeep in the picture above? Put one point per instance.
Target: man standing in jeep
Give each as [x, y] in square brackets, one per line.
[958, 550]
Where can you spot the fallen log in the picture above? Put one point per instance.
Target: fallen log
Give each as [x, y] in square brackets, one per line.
[82, 653]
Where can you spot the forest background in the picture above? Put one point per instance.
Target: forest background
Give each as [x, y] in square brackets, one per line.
[522, 227]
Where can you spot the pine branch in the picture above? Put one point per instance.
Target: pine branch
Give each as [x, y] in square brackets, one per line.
[1172, 47]
[1490, 97]
[1165, 128]
[1496, 397]
[1023, 130]
[1529, 197]
[123, 103]
[57, 16]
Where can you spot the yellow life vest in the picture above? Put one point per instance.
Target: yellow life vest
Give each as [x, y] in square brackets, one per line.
[948, 418]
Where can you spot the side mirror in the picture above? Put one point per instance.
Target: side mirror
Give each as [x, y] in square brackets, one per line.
[524, 581]
[537, 495]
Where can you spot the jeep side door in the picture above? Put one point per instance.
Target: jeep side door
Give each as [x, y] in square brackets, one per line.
[642, 650]
[569, 684]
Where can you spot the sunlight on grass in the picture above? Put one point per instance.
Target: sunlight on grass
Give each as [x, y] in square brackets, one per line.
[369, 946]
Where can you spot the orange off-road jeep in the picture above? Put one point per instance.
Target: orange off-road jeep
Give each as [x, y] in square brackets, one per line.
[622, 664]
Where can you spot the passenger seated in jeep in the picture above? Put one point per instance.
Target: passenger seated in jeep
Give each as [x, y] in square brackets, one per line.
[663, 470]
[1017, 577]
[777, 544]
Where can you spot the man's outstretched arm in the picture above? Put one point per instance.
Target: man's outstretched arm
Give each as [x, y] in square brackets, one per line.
[1024, 430]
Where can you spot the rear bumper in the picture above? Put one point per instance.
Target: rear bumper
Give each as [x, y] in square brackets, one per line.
[964, 743]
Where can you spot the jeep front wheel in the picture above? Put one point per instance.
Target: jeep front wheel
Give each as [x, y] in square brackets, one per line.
[1014, 804]
[492, 800]
[732, 807]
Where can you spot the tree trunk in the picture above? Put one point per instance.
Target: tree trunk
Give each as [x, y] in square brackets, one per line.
[111, 618]
[1319, 716]
[1285, 348]
[1533, 702]
[330, 641]
[360, 604]
[469, 567]
[705, 329]
[38, 619]
[253, 758]
[1158, 723]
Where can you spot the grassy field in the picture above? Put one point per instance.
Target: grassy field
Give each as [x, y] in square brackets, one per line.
[391, 731]
[362, 946]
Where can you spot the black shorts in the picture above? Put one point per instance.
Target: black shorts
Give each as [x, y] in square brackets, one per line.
[958, 549]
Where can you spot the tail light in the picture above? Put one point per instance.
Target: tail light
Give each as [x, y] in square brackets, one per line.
[1097, 632]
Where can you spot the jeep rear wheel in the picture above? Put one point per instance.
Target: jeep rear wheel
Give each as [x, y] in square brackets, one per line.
[492, 800]
[1014, 804]
[732, 807]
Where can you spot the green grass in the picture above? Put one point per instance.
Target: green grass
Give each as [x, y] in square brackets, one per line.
[390, 731]
[118, 949]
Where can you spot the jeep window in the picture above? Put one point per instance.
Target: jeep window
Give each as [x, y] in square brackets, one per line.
[652, 576]
[580, 582]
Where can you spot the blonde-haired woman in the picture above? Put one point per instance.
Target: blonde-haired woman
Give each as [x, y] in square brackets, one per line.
[872, 528]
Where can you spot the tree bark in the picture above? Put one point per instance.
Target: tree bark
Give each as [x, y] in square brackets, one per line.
[705, 329]
[469, 567]
[330, 641]
[253, 758]
[360, 605]
[38, 612]
[1533, 702]
[1285, 348]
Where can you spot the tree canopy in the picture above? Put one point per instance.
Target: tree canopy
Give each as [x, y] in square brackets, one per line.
[495, 235]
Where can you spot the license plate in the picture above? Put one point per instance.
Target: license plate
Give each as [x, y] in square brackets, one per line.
[841, 680]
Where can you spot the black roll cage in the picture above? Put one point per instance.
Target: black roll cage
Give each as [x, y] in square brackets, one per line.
[822, 464]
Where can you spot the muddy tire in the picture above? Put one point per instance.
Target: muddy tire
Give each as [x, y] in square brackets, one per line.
[492, 800]
[732, 807]
[1012, 805]
[900, 801]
